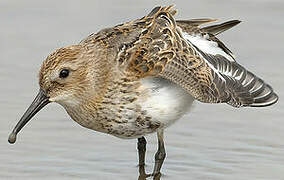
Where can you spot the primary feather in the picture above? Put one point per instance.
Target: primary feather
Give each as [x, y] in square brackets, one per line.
[192, 57]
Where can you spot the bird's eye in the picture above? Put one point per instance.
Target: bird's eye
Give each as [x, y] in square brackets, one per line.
[64, 73]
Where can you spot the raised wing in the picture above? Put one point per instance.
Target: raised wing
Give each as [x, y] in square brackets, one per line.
[241, 87]
[207, 69]
[191, 28]
[190, 56]
[233, 84]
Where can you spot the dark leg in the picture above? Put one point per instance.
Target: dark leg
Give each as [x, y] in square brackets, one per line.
[142, 173]
[160, 155]
[141, 146]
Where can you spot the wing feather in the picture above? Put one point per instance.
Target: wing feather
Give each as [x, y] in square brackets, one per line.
[227, 81]
[190, 56]
[219, 28]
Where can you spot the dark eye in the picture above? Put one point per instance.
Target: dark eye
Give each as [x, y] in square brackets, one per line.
[64, 73]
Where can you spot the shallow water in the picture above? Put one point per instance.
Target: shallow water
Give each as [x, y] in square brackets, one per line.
[212, 142]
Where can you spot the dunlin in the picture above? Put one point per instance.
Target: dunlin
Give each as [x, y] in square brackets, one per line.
[140, 77]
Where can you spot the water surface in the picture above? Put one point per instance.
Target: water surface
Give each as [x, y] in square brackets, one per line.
[215, 142]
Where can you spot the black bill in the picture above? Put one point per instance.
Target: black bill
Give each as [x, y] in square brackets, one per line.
[39, 102]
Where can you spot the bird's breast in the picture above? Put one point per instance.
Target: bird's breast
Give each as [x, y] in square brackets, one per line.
[135, 110]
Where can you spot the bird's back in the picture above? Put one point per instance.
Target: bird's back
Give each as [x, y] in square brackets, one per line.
[192, 57]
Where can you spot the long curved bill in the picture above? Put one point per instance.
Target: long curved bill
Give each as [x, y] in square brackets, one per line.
[39, 102]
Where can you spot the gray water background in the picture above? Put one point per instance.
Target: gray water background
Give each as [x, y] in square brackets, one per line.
[215, 142]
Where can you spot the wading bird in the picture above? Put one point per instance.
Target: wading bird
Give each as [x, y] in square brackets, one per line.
[140, 77]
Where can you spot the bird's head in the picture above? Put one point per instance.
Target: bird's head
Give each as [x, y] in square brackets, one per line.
[69, 76]
[63, 76]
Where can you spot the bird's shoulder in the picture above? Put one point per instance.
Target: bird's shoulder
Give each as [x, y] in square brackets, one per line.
[141, 47]
[192, 57]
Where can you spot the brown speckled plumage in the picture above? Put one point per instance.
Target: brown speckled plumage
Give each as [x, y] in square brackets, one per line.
[154, 46]
[107, 67]
[139, 77]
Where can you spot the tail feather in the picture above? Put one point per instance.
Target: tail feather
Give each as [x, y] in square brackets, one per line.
[219, 28]
[196, 22]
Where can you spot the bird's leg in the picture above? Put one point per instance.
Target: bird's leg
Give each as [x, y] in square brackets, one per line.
[141, 146]
[160, 155]
[142, 173]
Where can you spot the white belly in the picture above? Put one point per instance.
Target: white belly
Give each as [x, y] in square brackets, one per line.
[167, 101]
